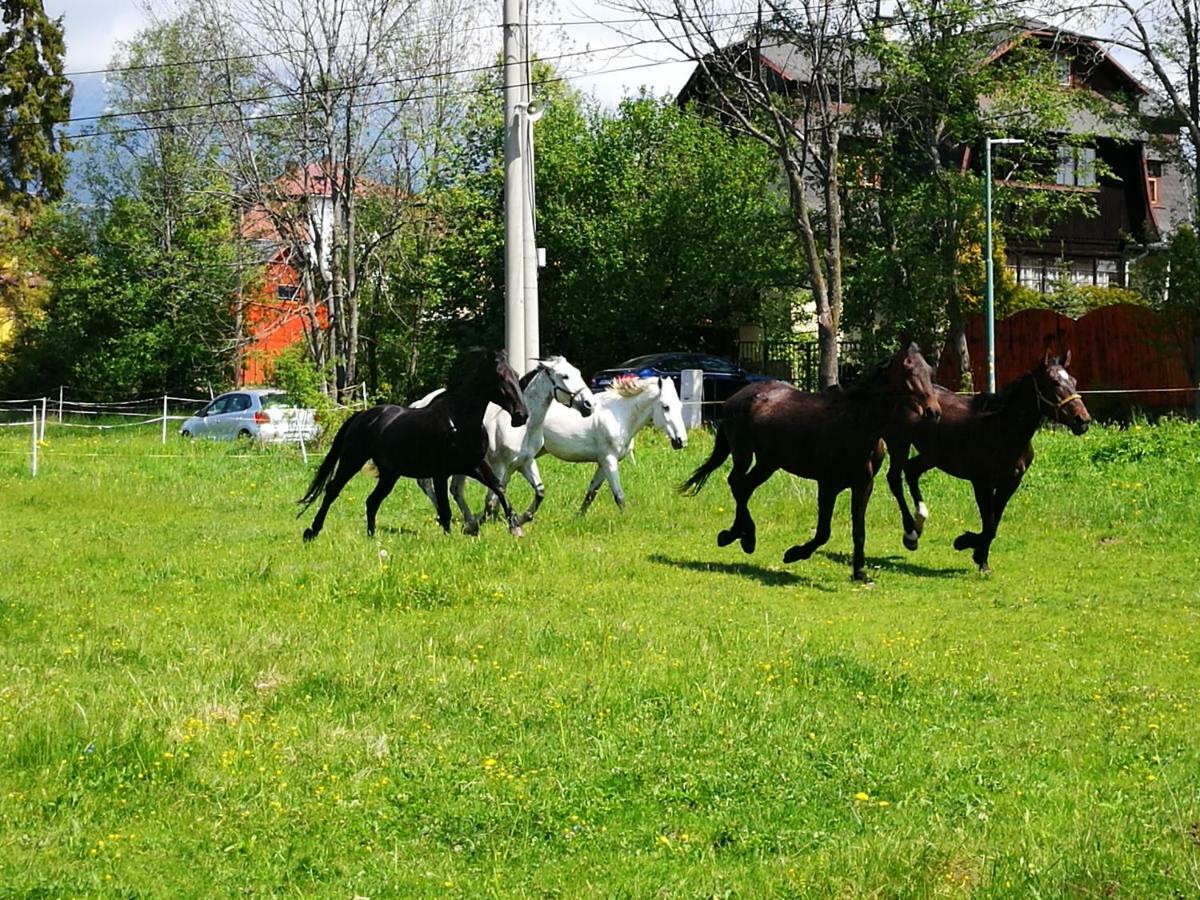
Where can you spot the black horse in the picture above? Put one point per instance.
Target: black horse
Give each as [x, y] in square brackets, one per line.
[984, 439]
[832, 437]
[438, 441]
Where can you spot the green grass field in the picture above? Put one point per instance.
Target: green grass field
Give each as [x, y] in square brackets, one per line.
[194, 703]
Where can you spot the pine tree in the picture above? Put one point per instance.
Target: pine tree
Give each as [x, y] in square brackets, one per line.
[35, 97]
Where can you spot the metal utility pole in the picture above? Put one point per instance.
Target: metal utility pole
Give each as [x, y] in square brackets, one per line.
[514, 188]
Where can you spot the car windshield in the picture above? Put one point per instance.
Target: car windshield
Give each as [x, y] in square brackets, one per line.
[671, 362]
[276, 401]
[640, 362]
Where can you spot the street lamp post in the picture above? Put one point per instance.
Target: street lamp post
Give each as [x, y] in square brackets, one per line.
[989, 278]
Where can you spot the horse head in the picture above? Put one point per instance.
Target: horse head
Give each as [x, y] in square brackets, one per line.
[501, 386]
[569, 387]
[1057, 398]
[668, 413]
[911, 377]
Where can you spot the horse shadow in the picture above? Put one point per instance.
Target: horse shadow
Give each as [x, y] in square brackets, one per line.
[898, 564]
[769, 577]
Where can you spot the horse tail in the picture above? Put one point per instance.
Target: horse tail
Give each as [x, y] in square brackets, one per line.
[720, 453]
[328, 464]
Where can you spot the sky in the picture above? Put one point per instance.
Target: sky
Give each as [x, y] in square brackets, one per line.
[94, 27]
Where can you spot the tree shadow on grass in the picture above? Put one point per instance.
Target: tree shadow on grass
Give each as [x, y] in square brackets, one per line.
[897, 564]
[769, 577]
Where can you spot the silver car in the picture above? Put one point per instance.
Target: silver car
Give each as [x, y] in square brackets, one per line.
[262, 413]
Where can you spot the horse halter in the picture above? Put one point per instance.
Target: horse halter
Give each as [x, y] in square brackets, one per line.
[1055, 407]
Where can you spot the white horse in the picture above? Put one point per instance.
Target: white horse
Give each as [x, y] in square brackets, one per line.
[513, 448]
[607, 437]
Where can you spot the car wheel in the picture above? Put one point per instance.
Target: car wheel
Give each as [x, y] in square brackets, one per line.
[186, 435]
[244, 435]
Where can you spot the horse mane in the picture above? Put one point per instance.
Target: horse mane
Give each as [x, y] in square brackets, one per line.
[629, 385]
[999, 401]
[871, 379]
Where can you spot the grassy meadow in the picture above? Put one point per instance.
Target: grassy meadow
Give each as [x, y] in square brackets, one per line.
[194, 703]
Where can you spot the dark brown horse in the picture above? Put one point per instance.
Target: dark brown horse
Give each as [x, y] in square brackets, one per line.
[442, 439]
[832, 437]
[983, 439]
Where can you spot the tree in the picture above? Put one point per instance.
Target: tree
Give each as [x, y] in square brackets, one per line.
[1165, 34]
[662, 230]
[801, 117]
[35, 98]
[351, 100]
[124, 316]
[917, 269]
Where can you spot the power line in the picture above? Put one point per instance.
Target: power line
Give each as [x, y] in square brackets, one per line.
[262, 98]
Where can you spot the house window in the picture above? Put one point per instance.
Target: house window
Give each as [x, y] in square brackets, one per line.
[287, 291]
[1063, 64]
[1108, 273]
[1154, 181]
[1076, 166]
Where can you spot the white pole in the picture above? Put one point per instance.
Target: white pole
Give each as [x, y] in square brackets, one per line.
[364, 387]
[33, 458]
[43, 429]
[514, 266]
[303, 450]
[164, 425]
[60, 404]
[528, 238]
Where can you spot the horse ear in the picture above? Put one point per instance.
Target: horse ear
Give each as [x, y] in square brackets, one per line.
[1067, 360]
[913, 348]
[1048, 358]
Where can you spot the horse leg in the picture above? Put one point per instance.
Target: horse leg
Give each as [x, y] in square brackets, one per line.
[860, 496]
[898, 456]
[534, 477]
[609, 464]
[744, 490]
[340, 479]
[458, 486]
[826, 497]
[999, 499]
[593, 489]
[485, 476]
[442, 494]
[387, 481]
[978, 542]
[737, 473]
[913, 470]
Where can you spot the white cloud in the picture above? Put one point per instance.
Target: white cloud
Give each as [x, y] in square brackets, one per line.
[92, 29]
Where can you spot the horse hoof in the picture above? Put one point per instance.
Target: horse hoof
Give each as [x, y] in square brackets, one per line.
[862, 578]
[725, 538]
[516, 531]
[984, 569]
[912, 540]
[795, 554]
[749, 541]
[471, 528]
[965, 541]
[309, 534]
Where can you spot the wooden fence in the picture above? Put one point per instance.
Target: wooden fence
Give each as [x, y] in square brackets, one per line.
[1126, 356]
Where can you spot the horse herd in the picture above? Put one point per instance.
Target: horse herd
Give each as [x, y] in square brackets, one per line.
[489, 425]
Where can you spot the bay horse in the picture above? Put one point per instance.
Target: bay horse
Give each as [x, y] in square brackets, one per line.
[832, 437]
[443, 439]
[983, 439]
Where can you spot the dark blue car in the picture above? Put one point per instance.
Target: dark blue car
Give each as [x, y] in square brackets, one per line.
[721, 377]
